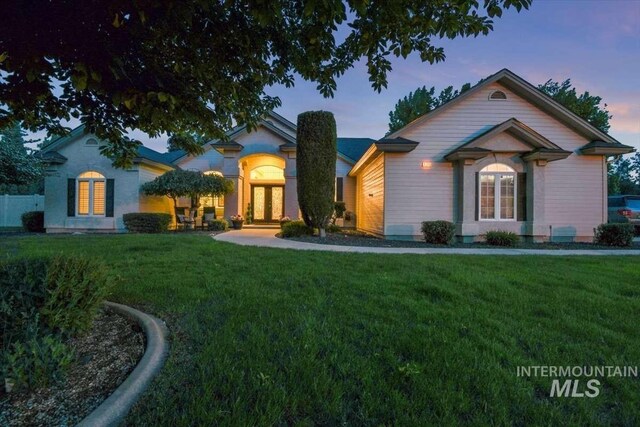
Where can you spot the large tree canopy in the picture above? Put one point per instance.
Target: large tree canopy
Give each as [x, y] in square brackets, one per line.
[197, 66]
[184, 183]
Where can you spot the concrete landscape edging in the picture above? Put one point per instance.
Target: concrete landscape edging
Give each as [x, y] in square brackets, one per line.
[115, 408]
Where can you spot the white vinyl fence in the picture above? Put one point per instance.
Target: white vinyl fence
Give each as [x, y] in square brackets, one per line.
[12, 207]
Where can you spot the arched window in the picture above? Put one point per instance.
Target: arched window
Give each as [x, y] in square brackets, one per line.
[497, 192]
[498, 95]
[267, 173]
[91, 193]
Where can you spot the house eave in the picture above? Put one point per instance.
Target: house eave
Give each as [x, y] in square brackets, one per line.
[385, 145]
[546, 155]
[601, 148]
[467, 154]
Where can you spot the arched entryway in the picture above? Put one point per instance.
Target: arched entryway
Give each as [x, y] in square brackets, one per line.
[264, 187]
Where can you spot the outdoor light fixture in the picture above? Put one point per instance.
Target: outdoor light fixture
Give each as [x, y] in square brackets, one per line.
[426, 164]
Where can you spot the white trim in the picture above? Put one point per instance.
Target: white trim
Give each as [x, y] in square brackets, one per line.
[496, 196]
[91, 197]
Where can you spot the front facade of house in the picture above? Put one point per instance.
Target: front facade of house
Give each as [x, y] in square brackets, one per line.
[500, 156]
[83, 192]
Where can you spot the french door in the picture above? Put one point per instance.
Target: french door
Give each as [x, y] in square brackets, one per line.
[267, 203]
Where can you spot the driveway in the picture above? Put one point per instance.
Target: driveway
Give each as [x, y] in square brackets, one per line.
[267, 238]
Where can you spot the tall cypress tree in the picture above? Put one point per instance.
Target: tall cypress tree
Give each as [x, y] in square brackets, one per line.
[316, 167]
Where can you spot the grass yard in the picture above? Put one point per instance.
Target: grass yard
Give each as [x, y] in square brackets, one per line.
[265, 336]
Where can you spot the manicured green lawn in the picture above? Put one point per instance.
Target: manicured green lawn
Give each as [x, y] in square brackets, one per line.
[265, 336]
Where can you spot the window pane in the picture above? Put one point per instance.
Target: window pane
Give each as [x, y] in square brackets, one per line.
[487, 196]
[98, 197]
[258, 203]
[507, 196]
[267, 173]
[497, 167]
[90, 174]
[83, 197]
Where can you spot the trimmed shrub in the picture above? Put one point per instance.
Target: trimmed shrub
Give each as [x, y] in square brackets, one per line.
[316, 167]
[39, 361]
[438, 232]
[296, 229]
[43, 301]
[146, 222]
[218, 224]
[332, 228]
[501, 238]
[284, 220]
[33, 221]
[614, 235]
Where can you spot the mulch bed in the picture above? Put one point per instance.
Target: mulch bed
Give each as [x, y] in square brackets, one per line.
[357, 239]
[105, 356]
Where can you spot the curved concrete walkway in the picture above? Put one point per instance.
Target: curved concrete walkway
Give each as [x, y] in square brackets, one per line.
[266, 238]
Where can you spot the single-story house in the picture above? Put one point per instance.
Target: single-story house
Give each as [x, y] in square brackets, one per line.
[502, 155]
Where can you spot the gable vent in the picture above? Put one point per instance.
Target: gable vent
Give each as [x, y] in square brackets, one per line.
[497, 95]
[91, 141]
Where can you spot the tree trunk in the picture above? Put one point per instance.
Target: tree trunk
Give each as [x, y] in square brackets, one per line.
[322, 232]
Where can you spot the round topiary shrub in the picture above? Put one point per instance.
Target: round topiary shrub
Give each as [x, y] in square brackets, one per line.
[146, 222]
[296, 229]
[438, 232]
[33, 221]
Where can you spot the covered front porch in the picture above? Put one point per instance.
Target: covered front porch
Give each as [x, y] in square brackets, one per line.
[265, 186]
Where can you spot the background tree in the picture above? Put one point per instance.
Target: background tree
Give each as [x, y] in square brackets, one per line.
[585, 105]
[183, 183]
[185, 67]
[18, 166]
[174, 142]
[420, 102]
[316, 167]
[624, 175]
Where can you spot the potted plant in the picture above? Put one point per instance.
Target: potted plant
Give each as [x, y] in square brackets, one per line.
[284, 220]
[237, 221]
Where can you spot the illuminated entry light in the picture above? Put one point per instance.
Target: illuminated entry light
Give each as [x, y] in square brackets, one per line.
[426, 164]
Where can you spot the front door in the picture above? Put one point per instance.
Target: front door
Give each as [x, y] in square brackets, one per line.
[267, 203]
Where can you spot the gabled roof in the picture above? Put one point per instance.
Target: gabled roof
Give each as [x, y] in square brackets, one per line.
[385, 145]
[527, 91]
[146, 155]
[61, 141]
[541, 147]
[51, 157]
[354, 148]
[516, 128]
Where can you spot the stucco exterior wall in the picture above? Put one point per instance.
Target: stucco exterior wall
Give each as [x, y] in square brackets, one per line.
[153, 203]
[370, 212]
[81, 158]
[574, 200]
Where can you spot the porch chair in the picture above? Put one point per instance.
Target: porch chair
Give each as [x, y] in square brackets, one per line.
[185, 217]
[209, 214]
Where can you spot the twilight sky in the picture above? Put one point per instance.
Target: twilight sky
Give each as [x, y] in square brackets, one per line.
[596, 43]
